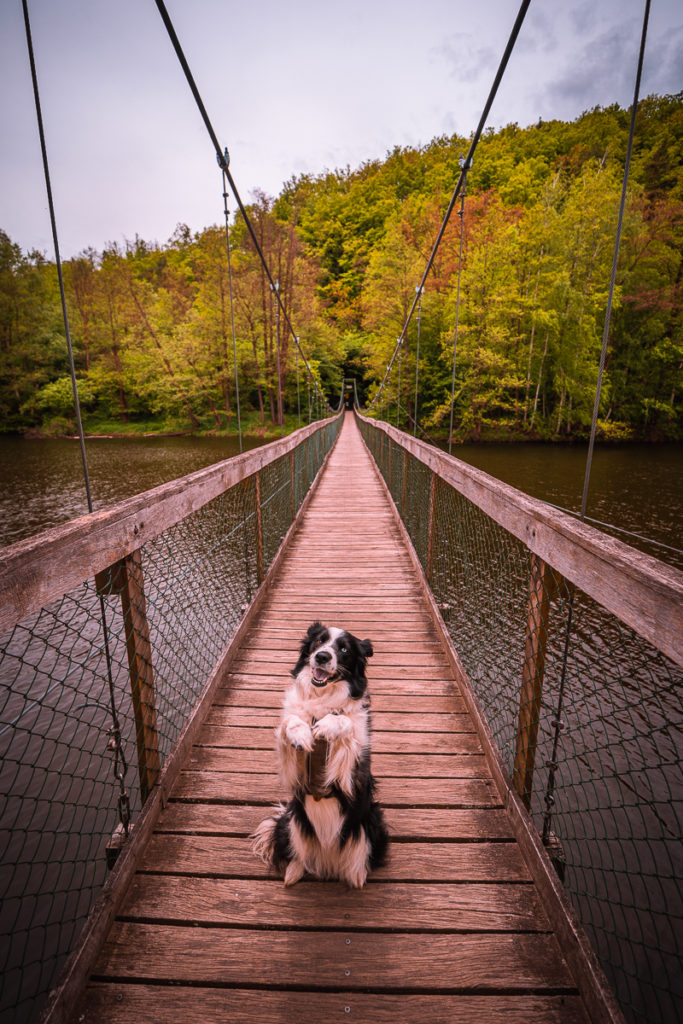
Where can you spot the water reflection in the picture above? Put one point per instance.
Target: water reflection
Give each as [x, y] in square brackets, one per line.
[43, 480]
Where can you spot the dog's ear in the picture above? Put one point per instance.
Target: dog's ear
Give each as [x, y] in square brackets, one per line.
[358, 682]
[314, 633]
[366, 648]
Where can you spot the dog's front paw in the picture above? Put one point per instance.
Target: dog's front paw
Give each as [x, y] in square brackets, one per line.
[298, 734]
[331, 727]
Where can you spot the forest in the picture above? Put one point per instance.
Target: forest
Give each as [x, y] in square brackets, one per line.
[151, 323]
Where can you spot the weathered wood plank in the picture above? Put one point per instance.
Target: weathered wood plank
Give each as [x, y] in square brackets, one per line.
[163, 1004]
[383, 721]
[413, 766]
[242, 698]
[261, 788]
[416, 862]
[391, 685]
[415, 674]
[397, 906]
[382, 658]
[404, 823]
[382, 742]
[448, 963]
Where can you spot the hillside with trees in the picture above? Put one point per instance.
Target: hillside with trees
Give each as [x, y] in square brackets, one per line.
[151, 323]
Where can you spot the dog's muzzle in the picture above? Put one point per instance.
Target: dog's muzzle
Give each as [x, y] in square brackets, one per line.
[321, 674]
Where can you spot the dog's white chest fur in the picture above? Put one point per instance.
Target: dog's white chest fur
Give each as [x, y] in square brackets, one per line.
[325, 817]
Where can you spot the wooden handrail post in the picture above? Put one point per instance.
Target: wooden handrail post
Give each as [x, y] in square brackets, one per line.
[542, 588]
[292, 485]
[404, 483]
[259, 528]
[431, 527]
[126, 578]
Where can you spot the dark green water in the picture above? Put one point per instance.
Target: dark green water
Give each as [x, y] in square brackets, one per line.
[43, 480]
[634, 487]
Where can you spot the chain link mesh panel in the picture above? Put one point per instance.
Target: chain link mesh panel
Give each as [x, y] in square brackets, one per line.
[71, 769]
[587, 717]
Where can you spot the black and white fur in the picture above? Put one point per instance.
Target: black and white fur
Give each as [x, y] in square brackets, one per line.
[341, 835]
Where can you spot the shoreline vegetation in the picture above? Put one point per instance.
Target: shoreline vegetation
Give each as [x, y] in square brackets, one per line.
[151, 322]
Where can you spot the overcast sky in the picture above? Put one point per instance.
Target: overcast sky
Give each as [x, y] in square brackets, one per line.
[290, 87]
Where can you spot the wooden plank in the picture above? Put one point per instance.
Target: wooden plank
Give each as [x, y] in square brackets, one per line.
[382, 742]
[261, 788]
[397, 906]
[413, 766]
[391, 684]
[376, 674]
[381, 658]
[162, 1004]
[243, 698]
[382, 721]
[448, 963]
[404, 823]
[230, 857]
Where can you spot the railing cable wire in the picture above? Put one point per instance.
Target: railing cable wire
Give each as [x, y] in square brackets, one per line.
[457, 306]
[615, 258]
[467, 163]
[220, 156]
[232, 302]
[557, 722]
[117, 744]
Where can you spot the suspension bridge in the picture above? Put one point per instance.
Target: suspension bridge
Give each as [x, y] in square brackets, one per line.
[526, 697]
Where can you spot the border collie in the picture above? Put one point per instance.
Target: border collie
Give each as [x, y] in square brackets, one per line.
[331, 827]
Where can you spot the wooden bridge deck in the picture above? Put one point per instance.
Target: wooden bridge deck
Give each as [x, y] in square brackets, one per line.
[451, 930]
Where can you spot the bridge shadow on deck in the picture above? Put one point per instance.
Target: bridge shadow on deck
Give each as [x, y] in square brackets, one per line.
[451, 930]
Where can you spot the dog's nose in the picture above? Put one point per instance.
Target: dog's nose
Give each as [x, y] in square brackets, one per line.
[322, 657]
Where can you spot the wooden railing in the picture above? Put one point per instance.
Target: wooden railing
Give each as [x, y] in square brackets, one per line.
[568, 644]
[114, 628]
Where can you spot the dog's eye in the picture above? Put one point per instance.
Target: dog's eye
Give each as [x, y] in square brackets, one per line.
[343, 649]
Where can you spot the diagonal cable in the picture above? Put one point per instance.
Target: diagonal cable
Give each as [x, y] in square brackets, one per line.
[461, 179]
[223, 163]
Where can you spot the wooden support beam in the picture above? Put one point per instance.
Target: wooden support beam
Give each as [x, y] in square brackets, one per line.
[431, 529]
[126, 578]
[542, 588]
[259, 528]
[292, 487]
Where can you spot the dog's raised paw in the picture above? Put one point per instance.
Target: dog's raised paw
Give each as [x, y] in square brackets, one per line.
[331, 727]
[299, 735]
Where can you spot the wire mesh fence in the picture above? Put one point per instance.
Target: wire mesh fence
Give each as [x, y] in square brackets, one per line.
[89, 715]
[586, 715]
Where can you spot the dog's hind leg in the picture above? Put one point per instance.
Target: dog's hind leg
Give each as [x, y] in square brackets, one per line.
[295, 871]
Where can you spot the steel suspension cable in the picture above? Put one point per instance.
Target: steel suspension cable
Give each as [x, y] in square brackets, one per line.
[223, 164]
[557, 722]
[232, 303]
[457, 310]
[58, 260]
[521, 14]
[615, 259]
[115, 732]
[417, 360]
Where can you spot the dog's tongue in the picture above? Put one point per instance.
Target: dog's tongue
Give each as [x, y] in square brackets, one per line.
[320, 675]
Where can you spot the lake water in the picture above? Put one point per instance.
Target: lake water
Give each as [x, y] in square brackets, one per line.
[634, 487]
